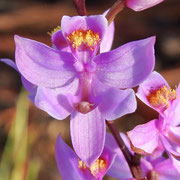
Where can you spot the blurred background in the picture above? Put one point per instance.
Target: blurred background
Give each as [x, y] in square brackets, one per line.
[27, 134]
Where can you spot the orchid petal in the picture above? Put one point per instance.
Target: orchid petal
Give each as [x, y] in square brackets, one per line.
[108, 156]
[55, 101]
[98, 87]
[166, 170]
[171, 147]
[175, 107]
[49, 101]
[176, 163]
[144, 138]
[153, 82]
[42, 65]
[31, 88]
[139, 5]
[158, 153]
[117, 103]
[111, 143]
[88, 135]
[173, 134]
[10, 63]
[128, 65]
[67, 162]
[107, 40]
[146, 165]
[119, 168]
[59, 41]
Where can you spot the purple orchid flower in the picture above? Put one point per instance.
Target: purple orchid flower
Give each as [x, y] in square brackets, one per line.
[154, 167]
[139, 5]
[157, 167]
[72, 168]
[72, 79]
[156, 93]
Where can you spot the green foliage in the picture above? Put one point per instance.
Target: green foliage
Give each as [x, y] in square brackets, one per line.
[15, 163]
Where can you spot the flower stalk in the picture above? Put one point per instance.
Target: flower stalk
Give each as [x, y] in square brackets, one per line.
[80, 7]
[132, 160]
[115, 9]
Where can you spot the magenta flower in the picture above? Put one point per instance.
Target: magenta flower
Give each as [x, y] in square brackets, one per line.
[153, 167]
[156, 93]
[72, 79]
[72, 168]
[139, 5]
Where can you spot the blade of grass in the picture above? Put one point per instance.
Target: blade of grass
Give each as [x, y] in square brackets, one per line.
[20, 137]
[33, 171]
[15, 151]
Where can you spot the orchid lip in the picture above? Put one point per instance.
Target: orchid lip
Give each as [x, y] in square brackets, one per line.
[161, 97]
[85, 39]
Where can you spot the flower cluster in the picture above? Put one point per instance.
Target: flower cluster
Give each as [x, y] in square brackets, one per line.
[82, 77]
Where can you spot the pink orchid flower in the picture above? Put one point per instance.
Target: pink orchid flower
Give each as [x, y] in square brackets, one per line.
[156, 93]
